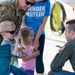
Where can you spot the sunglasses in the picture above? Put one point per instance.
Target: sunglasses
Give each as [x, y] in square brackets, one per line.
[29, 3]
[11, 32]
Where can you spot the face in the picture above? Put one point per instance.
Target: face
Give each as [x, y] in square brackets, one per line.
[9, 34]
[67, 33]
[30, 37]
[25, 4]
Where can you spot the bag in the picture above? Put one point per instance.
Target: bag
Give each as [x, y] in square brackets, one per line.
[5, 58]
[17, 71]
[57, 18]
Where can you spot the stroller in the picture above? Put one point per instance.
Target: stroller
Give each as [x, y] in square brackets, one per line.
[5, 58]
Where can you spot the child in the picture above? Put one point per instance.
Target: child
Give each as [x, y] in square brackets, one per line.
[29, 55]
[7, 30]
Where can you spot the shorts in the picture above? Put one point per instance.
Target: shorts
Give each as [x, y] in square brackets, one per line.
[29, 72]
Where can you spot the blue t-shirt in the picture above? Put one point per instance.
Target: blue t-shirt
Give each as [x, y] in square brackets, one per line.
[4, 42]
[35, 14]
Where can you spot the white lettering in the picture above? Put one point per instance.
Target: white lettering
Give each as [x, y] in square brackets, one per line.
[35, 14]
[37, 8]
[36, 11]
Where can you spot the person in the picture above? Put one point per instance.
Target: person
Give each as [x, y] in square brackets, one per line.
[28, 53]
[67, 52]
[36, 18]
[7, 30]
[13, 10]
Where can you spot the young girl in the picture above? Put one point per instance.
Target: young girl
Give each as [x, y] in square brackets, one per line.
[36, 18]
[29, 55]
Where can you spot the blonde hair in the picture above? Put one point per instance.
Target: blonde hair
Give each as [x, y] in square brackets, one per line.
[7, 26]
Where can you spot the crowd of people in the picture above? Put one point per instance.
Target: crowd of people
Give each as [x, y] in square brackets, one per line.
[24, 21]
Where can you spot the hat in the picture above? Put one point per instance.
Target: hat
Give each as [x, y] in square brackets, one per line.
[7, 26]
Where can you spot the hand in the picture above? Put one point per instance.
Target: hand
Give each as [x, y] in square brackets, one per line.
[22, 49]
[61, 47]
[16, 37]
[36, 53]
[36, 43]
[35, 48]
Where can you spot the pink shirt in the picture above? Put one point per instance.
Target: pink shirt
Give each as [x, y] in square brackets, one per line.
[29, 64]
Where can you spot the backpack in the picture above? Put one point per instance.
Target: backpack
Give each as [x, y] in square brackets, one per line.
[5, 58]
[56, 22]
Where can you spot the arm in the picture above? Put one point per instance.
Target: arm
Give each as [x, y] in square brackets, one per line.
[72, 58]
[23, 23]
[61, 58]
[41, 28]
[14, 52]
[25, 57]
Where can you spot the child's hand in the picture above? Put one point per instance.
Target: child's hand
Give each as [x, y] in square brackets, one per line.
[35, 48]
[16, 38]
[21, 48]
[36, 53]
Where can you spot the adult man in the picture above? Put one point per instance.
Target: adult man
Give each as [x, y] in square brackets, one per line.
[13, 10]
[67, 52]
